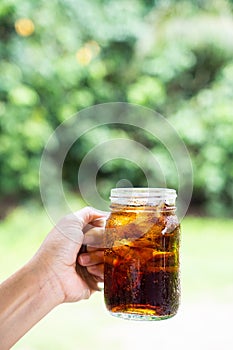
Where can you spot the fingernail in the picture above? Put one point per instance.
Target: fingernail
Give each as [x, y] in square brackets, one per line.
[84, 259]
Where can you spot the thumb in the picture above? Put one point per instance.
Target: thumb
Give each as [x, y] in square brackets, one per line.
[72, 225]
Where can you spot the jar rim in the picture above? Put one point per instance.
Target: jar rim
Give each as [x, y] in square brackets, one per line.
[142, 192]
[143, 195]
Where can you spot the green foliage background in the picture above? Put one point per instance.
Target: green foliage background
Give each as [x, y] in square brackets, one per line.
[175, 57]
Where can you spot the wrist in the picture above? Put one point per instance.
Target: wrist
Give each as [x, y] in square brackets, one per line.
[46, 280]
[28, 295]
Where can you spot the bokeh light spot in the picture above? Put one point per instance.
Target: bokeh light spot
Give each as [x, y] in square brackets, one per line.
[24, 27]
[87, 52]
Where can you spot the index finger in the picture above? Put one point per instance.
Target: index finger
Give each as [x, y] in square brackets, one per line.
[94, 237]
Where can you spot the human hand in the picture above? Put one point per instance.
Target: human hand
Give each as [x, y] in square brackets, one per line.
[58, 254]
[90, 259]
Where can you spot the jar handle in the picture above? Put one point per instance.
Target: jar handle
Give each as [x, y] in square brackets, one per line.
[82, 271]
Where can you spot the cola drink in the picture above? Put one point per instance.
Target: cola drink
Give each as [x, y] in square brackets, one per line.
[141, 262]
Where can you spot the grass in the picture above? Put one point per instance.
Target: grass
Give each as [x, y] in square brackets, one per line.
[206, 265]
[206, 255]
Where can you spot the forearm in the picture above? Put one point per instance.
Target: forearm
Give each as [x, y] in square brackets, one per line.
[25, 298]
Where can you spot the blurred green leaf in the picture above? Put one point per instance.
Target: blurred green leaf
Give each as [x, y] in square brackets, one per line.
[23, 95]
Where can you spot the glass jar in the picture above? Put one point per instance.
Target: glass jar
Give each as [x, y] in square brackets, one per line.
[141, 258]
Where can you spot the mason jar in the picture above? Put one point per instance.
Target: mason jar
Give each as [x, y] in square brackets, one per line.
[141, 258]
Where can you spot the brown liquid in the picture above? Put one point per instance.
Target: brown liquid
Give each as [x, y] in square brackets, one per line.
[142, 264]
